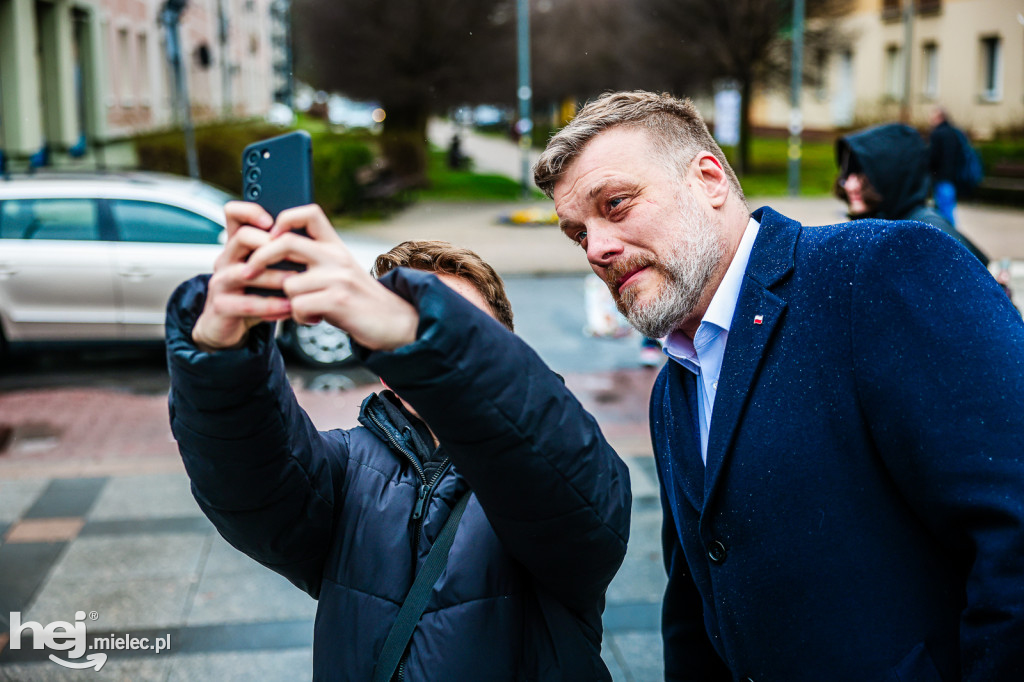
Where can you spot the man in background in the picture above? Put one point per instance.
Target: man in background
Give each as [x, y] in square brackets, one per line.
[944, 157]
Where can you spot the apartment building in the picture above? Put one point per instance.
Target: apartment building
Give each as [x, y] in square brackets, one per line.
[965, 55]
[75, 74]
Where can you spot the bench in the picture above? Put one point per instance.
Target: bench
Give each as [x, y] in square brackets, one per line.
[1003, 183]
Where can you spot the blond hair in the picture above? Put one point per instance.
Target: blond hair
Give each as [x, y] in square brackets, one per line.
[675, 127]
[441, 257]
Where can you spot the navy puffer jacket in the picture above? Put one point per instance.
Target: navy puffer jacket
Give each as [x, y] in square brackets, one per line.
[335, 512]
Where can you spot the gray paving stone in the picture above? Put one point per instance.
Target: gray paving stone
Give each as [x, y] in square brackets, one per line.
[608, 656]
[125, 670]
[223, 558]
[643, 479]
[289, 665]
[639, 654]
[642, 575]
[17, 495]
[148, 496]
[24, 567]
[253, 596]
[115, 558]
[120, 604]
[67, 497]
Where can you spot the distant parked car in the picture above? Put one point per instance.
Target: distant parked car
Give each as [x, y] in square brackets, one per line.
[94, 257]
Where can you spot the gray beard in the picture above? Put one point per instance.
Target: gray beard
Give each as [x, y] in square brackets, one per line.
[687, 269]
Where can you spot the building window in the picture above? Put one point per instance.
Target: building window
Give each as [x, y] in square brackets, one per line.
[929, 6]
[821, 63]
[991, 68]
[894, 72]
[891, 9]
[142, 69]
[930, 70]
[124, 51]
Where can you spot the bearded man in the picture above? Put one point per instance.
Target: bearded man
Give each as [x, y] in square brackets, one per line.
[839, 432]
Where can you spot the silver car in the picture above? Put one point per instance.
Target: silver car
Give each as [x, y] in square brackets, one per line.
[94, 257]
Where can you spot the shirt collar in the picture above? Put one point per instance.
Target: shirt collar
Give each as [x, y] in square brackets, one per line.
[723, 304]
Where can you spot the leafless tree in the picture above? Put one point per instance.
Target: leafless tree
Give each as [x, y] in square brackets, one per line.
[584, 47]
[415, 57]
[747, 41]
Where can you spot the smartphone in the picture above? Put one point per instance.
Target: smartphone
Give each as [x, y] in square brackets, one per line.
[277, 173]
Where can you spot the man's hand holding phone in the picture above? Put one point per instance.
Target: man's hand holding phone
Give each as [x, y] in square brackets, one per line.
[230, 310]
[334, 286]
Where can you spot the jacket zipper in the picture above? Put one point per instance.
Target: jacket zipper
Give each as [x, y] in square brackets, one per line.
[422, 497]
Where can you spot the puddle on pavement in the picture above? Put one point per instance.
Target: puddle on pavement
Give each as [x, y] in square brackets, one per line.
[28, 437]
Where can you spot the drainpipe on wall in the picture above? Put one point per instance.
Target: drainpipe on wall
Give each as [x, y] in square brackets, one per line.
[170, 15]
[908, 35]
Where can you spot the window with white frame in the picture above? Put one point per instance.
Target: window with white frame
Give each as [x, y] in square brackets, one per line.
[894, 72]
[930, 70]
[991, 68]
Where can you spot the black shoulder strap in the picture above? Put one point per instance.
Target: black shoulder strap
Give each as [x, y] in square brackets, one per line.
[419, 594]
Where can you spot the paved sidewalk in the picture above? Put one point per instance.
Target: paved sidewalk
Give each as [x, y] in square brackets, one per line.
[541, 249]
[96, 516]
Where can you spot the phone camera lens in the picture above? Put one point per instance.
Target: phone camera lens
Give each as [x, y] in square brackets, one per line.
[253, 157]
[253, 174]
[253, 193]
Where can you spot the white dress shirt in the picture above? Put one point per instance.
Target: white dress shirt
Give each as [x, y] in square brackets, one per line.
[703, 355]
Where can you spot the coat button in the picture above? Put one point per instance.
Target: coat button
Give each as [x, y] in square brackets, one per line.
[716, 552]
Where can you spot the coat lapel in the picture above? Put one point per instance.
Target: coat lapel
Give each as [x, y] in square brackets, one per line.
[687, 469]
[758, 314]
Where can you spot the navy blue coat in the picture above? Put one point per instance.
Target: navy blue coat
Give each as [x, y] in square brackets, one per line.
[334, 512]
[861, 515]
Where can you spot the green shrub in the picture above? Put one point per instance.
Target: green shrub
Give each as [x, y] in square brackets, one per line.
[337, 158]
[218, 148]
[465, 185]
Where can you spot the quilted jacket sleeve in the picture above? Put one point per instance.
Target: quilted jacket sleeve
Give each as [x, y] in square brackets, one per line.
[553, 489]
[259, 469]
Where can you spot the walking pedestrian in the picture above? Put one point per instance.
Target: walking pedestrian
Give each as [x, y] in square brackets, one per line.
[943, 159]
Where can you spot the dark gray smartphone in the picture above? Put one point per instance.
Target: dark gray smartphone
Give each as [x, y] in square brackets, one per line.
[277, 173]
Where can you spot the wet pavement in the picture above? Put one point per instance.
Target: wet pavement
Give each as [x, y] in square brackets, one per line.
[97, 522]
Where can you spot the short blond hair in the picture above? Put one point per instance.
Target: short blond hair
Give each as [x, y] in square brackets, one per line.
[442, 257]
[674, 125]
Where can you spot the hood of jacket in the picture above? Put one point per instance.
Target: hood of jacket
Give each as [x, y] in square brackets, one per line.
[895, 160]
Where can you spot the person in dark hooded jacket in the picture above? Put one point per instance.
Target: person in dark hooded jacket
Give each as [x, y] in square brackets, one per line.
[884, 173]
[349, 516]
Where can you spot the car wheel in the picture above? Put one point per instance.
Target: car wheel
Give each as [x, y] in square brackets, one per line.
[319, 345]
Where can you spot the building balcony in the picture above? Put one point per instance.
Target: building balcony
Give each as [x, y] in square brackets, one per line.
[892, 10]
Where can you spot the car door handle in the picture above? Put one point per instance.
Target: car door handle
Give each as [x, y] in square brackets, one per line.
[7, 271]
